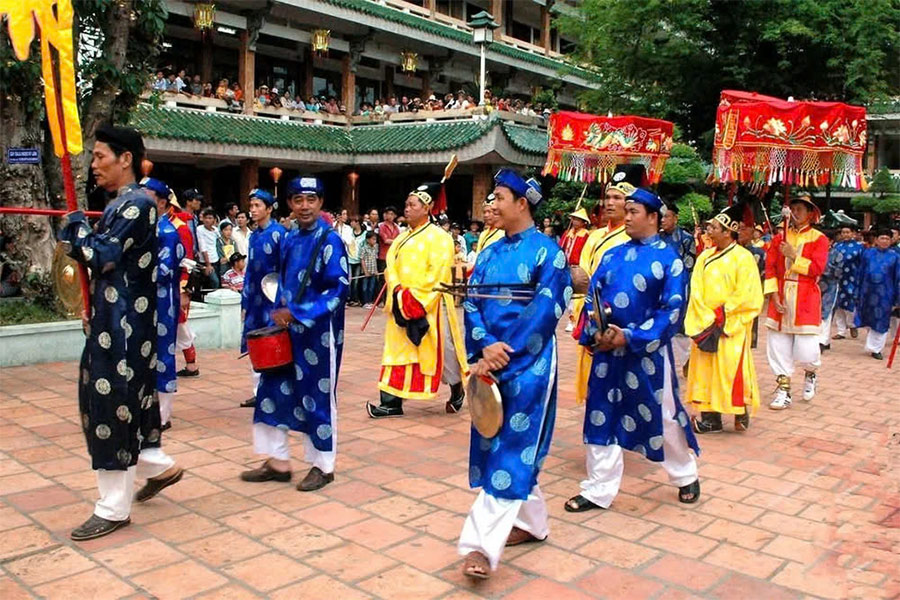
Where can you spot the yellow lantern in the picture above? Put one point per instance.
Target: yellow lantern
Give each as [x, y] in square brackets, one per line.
[409, 61]
[320, 40]
[204, 16]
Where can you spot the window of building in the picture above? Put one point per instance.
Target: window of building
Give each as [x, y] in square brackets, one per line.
[326, 84]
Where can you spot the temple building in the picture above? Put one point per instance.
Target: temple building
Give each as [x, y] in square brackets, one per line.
[357, 52]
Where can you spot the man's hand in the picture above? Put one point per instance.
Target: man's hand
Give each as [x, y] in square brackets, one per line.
[610, 339]
[479, 369]
[207, 269]
[776, 301]
[496, 356]
[282, 317]
[185, 300]
[788, 250]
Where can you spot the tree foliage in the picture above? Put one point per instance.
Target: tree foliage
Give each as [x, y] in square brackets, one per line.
[671, 58]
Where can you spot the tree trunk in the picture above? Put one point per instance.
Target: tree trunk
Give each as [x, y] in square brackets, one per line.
[99, 108]
[23, 186]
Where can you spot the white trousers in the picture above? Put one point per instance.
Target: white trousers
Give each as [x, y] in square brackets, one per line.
[825, 330]
[843, 320]
[681, 348]
[784, 350]
[491, 519]
[184, 336]
[254, 380]
[117, 487]
[450, 373]
[165, 406]
[606, 465]
[273, 442]
[875, 341]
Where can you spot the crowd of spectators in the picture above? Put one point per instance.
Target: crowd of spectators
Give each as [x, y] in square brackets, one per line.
[180, 82]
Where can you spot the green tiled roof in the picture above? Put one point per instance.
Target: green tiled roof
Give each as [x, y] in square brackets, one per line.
[526, 139]
[220, 128]
[421, 23]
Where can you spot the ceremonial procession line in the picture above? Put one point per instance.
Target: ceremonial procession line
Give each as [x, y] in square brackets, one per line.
[803, 505]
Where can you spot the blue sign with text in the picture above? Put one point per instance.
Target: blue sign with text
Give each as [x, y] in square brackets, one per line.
[23, 156]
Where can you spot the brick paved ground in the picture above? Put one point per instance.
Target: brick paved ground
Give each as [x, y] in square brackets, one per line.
[805, 505]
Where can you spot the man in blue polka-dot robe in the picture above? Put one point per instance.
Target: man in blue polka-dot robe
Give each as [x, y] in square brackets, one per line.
[516, 341]
[632, 400]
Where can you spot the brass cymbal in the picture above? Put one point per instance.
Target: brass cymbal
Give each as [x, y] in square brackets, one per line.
[67, 281]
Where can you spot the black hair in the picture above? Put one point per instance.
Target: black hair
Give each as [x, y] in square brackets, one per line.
[883, 231]
[370, 234]
[243, 212]
[229, 206]
[224, 224]
[207, 211]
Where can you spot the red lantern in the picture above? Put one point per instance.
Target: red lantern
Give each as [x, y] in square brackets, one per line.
[146, 167]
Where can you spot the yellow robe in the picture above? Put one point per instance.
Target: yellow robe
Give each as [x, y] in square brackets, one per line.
[724, 381]
[598, 243]
[418, 260]
[488, 237]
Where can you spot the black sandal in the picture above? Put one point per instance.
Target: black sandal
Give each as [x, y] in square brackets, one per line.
[579, 503]
[690, 493]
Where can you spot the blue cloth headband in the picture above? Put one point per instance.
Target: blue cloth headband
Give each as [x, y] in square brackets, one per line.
[305, 185]
[263, 195]
[529, 189]
[648, 199]
[156, 186]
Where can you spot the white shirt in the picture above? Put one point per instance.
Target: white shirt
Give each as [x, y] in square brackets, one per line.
[206, 238]
[241, 240]
[349, 239]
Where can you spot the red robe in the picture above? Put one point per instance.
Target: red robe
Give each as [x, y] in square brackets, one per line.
[796, 281]
[572, 243]
[179, 220]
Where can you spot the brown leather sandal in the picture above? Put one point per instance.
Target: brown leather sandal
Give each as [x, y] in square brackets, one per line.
[476, 566]
[520, 536]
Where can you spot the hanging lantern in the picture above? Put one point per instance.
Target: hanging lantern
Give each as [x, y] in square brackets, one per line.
[409, 61]
[320, 40]
[204, 16]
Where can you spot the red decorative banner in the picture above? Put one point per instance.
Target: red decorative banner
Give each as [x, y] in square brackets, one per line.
[587, 148]
[764, 140]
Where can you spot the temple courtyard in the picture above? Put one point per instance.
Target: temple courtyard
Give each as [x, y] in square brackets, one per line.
[804, 505]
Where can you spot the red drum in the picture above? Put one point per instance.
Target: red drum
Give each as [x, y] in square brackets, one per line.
[269, 349]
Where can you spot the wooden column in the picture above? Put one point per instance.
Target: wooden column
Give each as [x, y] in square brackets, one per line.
[249, 180]
[389, 81]
[482, 185]
[206, 60]
[872, 156]
[497, 12]
[431, 5]
[308, 65]
[247, 72]
[426, 86]
[206, 185]
[545, 29]
[348, 86]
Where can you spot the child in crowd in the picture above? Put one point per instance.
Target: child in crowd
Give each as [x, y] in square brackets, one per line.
[368, 256]
[224, 245]
[233, 279]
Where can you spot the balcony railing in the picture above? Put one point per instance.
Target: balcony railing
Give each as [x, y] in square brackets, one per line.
[322, 118]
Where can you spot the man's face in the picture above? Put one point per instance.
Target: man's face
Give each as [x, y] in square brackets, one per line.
[226, 232]
[239, 264]
[745, 234]
[209, 221]
[306, 208]
[614, 205]
[575, 223]
[845, 234]
[669, 221]
[883, 242]
[370, 240]
[373, 216]
[232, 212]
[473, 227]
[506, 207]
[161, 203]
[258, 210]
[639, 224]
[241, 220]
[718, 234]
[109, 170]
[895, 236]
[800, 213]
[389, 216]
[193, 204]
[414, 210]
[343, 216]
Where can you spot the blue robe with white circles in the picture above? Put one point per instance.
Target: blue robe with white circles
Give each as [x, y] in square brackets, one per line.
[686, 246]
[879, 288]
[848, 277]
[643, 283]
[301, 398]
[507, 465]
[117, 382]
[263, 257]
[170, 251]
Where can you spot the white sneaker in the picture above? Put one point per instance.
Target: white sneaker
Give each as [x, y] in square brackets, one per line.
[781, 401]
[367, 306]
[570, 327]
[809, 386]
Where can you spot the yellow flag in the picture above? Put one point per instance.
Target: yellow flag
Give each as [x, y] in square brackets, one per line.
[55, 29]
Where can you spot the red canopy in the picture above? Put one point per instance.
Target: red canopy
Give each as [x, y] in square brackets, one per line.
[761, 139]
[587, 148]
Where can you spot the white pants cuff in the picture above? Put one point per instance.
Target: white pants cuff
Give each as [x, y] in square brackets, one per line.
[321, 458]
[875, 341]
[254, 380]
[165, 406]
[843, 321]
[681, 348]
[784, 350]
[825, 330]
[271, 441]
[491, 519]
[184, 337]
[450, 374]
[117, 487]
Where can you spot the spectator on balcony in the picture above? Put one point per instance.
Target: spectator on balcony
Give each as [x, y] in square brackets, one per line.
[160, 84]
[207, 90]
[262, 96]
[379, 108]
[390, 106]
[222, 89]
[275, 99]
[196, 86]
[312, 105]
[404, 105]
[298, 103]
[238, 92]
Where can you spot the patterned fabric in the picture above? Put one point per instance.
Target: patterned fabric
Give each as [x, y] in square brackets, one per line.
[117, 382]
[796, 281]
[830, 281]
[490, 235]
[572, 244]
[233, 279]
[170, 251]
[263, 258]
[507, 465]
[848, 285]
[301, 398]
[879, 288]
[643, 283]
[684, 244]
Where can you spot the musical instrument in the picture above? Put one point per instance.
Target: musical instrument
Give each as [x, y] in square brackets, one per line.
[506, 291]
[580, 280]
[269, 286]
[67, 280]
[602, 312]
[270, 349]
[485, 405]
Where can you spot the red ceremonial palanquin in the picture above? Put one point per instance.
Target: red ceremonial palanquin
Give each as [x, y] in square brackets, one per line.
[764, 140]
[796, 281]
[587, 148]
